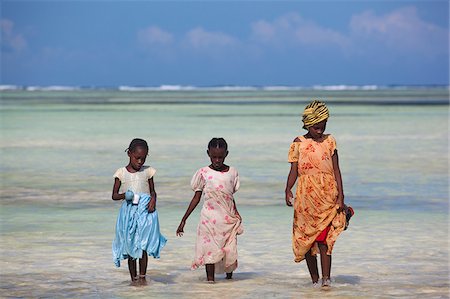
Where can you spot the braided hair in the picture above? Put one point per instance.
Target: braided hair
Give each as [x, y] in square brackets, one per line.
[218, 143]
[137, 142]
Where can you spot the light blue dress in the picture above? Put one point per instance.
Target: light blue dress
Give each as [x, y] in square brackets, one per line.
[137, 230]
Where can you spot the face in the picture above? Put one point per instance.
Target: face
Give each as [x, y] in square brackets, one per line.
[318, 129]
[217, 156]
[137, 157]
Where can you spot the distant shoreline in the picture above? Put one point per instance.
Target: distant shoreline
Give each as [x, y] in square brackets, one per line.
[401, 96]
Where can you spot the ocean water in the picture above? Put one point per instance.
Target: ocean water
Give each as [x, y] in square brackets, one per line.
[60, 148]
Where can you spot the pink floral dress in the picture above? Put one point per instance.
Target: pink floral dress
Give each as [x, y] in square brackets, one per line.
[219, 224]
[315, 206]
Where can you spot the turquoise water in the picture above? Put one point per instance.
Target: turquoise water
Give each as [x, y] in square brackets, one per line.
[59, 150]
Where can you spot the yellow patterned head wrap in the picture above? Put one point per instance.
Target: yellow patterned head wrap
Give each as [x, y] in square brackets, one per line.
[314, 113]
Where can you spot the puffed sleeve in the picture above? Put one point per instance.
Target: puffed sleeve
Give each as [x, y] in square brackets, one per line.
[119, 174]
[332, 144]
[293, 152]
[198, 181]
[150, 172]
[237, 183]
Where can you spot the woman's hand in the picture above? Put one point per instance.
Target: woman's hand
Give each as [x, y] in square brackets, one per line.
[180, 229]
[340, 202]
[289, 198]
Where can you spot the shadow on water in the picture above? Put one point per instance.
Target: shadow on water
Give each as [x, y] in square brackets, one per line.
[165, 278]
[245, 275]
[347, 279]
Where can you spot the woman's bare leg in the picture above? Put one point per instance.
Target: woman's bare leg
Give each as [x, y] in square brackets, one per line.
[311, 261]
[325, 262]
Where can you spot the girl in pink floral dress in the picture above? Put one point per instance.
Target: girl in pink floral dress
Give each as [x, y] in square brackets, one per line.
[220, 222]
[319, 210]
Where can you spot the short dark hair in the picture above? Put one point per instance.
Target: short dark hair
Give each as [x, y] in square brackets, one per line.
[218, 143]
[137, 142]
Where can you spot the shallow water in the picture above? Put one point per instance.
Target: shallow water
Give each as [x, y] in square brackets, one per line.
[57, 219]
[65, 252]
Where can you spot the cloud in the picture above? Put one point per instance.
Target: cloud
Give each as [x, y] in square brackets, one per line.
[154, 36]
[10, 40]
[168, 47]
[199, 38]
[263, 31]
[399, 33]
[401, 30]
[292, 29]
[196, 38]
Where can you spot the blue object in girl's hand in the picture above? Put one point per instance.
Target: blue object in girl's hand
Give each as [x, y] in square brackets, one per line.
[129, 195]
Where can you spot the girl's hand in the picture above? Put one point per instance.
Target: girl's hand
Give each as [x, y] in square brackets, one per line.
[151, 206]
[129, 195]
[180, 229]
[289, 198]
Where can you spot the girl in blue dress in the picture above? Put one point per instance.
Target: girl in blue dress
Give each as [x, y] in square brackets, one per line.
[137, 227]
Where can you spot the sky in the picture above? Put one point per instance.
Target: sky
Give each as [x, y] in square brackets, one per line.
[216, 43]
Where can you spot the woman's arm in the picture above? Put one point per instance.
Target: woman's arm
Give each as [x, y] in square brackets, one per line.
[115, 193]
[292, 177]
[194, 202]
[338, 178]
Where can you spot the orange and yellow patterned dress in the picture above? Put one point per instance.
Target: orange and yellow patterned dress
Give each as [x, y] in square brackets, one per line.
[315, 206]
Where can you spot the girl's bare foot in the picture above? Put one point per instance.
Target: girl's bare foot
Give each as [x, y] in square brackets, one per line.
[134, 282]
[142, 280]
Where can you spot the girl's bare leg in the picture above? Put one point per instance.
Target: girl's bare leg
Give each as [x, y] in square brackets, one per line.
[143, 263]
[132, 268]
[209, 272]
[311, 261]
[143, 267]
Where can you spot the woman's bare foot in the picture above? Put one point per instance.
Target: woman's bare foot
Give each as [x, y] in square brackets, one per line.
[326, 282]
